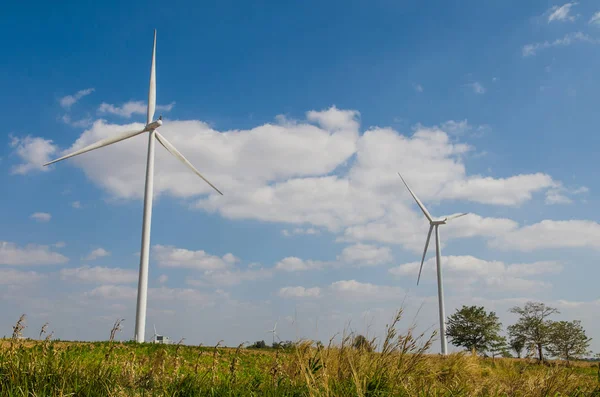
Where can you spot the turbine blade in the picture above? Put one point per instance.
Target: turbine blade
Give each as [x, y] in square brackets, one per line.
[448, 218]
[99, 144]
[152, 89]
[176, 153]
[425, 212]
[424, 252]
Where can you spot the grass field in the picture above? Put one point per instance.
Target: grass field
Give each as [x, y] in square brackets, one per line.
[401, 366]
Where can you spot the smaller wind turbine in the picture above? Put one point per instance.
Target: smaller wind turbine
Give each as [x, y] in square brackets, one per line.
[438, 255]
[274, 333]
[159, 338]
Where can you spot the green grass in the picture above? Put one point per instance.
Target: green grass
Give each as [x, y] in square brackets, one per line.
[400, 366]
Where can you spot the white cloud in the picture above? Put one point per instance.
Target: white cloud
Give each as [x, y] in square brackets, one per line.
[558, 194]
[100, 275]
[551, 234]
[562, 13]
[595, 19]
[468, 270]
[17, 277]
[34, 153]
[514, 190]
[418, 87]
[355, 290]
[365, 255]
[334, 119]
[76, 204]
[231, 277]
[76, 123]
[163, 278]
[97, 253]
[300, 231]
[568, 39]
[477, 87]
[169, 256]
[349, 187]
[113, 292]
[132, 107]
[31, 254]
[295, 264]
[555, 197]
[41, 216]
[299, 292]
[69, 100]
[411, 231]
[161, 294]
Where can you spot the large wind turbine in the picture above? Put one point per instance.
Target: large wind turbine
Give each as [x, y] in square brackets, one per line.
[435, 223]
[151, 127]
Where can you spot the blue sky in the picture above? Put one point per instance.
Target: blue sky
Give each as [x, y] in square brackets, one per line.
[302, 114]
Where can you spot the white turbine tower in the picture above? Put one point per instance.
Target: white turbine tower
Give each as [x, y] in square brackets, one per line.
[435, 223]
[151, 127]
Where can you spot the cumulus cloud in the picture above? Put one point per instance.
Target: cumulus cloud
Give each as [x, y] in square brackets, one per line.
[100, 275]
[161, 294]
[169, 256]
[41, 216]
[69, 100]
[97, 253]
[228, 278]
[31, 254]
[355, 290]
[17, 277]
[295, 264]
[551, 234]
[132, 107]
[299, 292]
[514, 190]
[33, 152]
[365, 255]
[595, 19]
[300, 231]
[469, 270]
[349, 186]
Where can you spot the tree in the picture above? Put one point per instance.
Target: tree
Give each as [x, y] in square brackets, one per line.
[498, 347]
[473, 328]
[568, 340]
[517, 344]
[360, 342]
[260, 344]
[533, 326]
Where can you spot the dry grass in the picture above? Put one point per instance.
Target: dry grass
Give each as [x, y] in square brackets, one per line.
[400, 366]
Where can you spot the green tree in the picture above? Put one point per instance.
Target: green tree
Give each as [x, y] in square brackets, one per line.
[533, 326]
[360, 342]
[260, 344]
[517, 344]
[473, 328]
[498, 347]
[568, 340]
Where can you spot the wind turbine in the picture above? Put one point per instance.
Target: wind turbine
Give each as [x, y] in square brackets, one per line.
[435, 223]
[274, 333]
[151, 127]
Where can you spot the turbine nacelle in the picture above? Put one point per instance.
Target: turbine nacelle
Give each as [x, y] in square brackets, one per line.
[153, 125]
